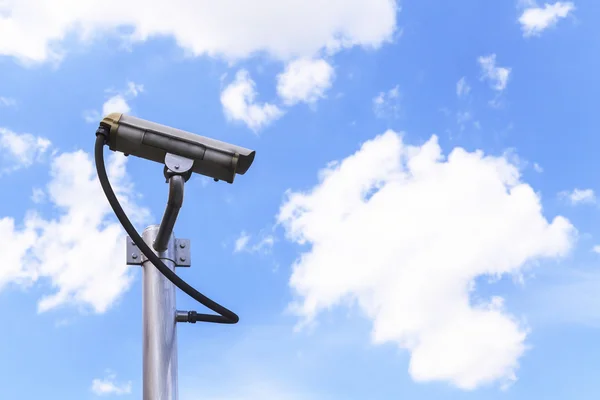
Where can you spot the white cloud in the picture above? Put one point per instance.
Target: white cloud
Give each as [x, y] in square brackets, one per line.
[264, 244]
[134, 89]
[7, 102]
[239, 103]
[387, 104]
[81, 252]
[20, 150]
[498, 76]
[403, 232]
[108, 386]
[14, 246]
[535, 20]
[305, 80]
[579, 196]
[117, 103]
[241, 242]
[229, 29]
[38, 195]
[538, 168]
[596, 249]
[462, 87]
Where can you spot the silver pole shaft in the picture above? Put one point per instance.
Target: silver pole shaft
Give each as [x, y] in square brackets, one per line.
[159, 320]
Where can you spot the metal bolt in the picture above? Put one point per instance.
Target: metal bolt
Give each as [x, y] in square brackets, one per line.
[182, 245]
[176, 166]
[133, 243]
[134, 256]
[182, 259]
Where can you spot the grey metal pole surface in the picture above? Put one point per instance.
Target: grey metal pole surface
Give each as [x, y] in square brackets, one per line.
[159, 325]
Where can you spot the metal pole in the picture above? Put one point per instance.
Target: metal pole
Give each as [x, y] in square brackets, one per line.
[159, 320]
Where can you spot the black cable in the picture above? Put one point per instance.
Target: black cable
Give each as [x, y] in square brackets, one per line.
[226, 316]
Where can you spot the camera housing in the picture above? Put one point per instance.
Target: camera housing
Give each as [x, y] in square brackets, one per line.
[151, 141]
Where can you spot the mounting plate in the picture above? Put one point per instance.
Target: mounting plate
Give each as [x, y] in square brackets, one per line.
[134, 254]
[183, 254]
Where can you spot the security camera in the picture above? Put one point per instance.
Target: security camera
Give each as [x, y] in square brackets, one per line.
[152, 141]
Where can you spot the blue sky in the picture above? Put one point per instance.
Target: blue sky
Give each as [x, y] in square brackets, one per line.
[420, 220]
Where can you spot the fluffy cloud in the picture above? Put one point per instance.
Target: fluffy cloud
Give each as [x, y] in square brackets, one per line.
[579, 196]
[229, 29]
[239, 103]
[535, 20]
[117, 103]
[497, 76]
[81, 252]
[14, 246]
[462, 87]
[403, 232]
[108, 386]
[304, 80]
[20, 150]
[387, 104]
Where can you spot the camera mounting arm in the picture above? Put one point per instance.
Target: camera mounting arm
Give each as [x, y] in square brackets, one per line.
[177, 172]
